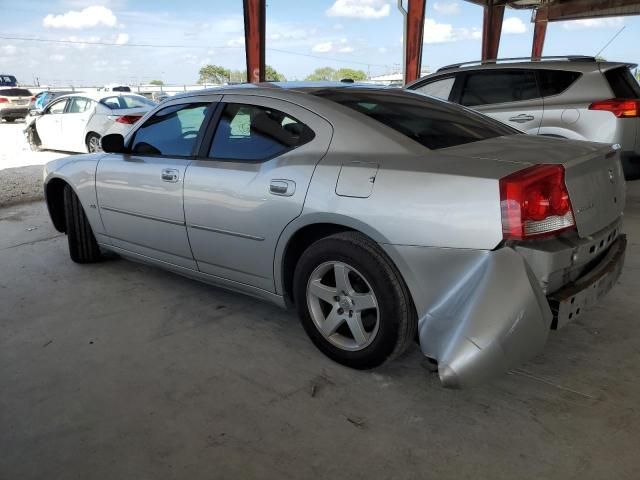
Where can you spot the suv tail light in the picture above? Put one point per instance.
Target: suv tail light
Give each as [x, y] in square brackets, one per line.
[4, 100]
[535, 202]
[620, 107]
[128, 119]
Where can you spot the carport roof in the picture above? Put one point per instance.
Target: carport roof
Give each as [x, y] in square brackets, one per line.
[557, 10]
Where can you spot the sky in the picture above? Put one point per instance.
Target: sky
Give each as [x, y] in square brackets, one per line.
[301, 36]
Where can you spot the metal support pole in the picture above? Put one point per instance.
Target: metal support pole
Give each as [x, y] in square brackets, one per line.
[491, 30]
[254, 39]
[539, 34]
[413, 37]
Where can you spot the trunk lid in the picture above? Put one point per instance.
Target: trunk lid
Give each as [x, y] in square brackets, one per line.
[593, 172]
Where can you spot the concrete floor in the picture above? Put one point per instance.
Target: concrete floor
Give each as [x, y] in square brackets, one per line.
[120, 371]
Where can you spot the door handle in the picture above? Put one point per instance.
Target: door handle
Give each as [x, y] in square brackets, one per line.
[522, 118]
[170, 175]
[284, 188]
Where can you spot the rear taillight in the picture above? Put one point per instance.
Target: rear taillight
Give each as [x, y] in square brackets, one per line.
[620, 107]
[534, 202]
[4, 100]
[128, 119]
[33, 99]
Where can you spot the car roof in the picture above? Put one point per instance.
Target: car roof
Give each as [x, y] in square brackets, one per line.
[97, 96]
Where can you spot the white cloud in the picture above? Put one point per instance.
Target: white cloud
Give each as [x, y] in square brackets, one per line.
[435, 32]
[611, 22]
[122, 39]
[359, 9]
[382, 50]
[513, 25]
[236, 42]
[323, 47]
[347, 49]
[92, 16]
[9, 49]
[57, 57]
[448, 8]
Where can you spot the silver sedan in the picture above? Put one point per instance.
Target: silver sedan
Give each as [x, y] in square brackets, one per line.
[382, 216]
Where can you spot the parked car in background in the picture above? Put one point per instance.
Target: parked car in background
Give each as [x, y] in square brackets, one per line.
[75, 123]
[14, 103]
[159, 97]
[577, 97]
[382, 215]
[115, 87]
[42, 99]
[8, 80]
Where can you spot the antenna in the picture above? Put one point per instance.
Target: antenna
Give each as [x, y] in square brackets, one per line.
[612, 39]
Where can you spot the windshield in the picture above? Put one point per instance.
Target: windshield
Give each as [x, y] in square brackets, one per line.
[126, 101]
[431, 123]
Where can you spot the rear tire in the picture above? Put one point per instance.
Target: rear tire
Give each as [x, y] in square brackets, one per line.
[93, 143]
[83, 247]
[381, 332]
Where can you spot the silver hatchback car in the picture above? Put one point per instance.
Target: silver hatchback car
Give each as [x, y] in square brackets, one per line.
[382, 215]
[577, 97]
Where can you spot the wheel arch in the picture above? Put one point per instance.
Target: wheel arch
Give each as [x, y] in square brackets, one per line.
[54, 196]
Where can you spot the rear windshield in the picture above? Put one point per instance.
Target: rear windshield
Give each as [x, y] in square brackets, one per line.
[432, 124]
[126, 101]
[622, 83]
[14, 92]
[121, 89]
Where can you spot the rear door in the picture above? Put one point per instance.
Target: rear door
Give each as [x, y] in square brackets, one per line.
[511, 96]
[140, 193]
[49, 125]
[249, 183]
[74, 123]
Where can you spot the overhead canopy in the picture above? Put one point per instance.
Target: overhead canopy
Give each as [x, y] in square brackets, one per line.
[557, 10]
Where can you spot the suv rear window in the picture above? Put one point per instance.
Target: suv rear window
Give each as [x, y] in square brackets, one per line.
[622, 83]
[499, 86]
[14, 92]
[553, 82]
[431, 123]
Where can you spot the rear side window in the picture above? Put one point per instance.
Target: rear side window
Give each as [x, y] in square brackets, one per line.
[171, 131]
[15, 92]
[433, 124]
[439, 88]
[622, 83]
[553, 82]
[499, 86]
[254, 133]
[126, 101]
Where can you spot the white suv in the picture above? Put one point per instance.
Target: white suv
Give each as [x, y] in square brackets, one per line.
[569, 97]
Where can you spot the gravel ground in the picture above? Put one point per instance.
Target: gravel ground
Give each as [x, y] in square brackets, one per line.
[20, 168]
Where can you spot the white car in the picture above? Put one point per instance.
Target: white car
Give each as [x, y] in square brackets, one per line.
[77, 122]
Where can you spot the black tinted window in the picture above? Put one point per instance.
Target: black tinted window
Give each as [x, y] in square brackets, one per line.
[622, 83]
[431, 123]
[553, 82]
[15, 92]
[171, 131]
[249, 132]
[499, 86]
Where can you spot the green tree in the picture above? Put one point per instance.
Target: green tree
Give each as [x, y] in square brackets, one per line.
[350, 73]
[322, 73]
[272, 75]
[156, 82]
[213, 74]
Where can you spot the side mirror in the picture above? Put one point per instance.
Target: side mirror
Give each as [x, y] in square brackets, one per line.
[113, 143]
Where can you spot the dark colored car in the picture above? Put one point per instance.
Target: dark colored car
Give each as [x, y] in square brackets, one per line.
[8, 80]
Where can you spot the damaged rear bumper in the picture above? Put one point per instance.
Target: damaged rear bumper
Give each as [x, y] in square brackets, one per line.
[482, 313]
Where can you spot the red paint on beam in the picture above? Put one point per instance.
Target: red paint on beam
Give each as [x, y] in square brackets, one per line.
[539, 34]
[254, 39]
[491, 30]
[414, 40]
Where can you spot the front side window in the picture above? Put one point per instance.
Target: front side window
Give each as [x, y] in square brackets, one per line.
[171, 131]
[78, 105]
[58, 107]
[498, 86]
[439, 88]
[253, 133]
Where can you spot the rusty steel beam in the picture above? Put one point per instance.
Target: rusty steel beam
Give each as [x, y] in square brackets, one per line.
[254, 39]
[539, 34]
[578, 9]
[414, 34]
[492, 29]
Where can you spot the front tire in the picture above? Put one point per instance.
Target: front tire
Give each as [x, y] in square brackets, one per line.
[83, 247]
[352, 302]
[33, 139]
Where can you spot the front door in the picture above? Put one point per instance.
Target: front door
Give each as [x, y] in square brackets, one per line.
[49, 125]
[73, 124]
[140, 193]
[249, 184]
